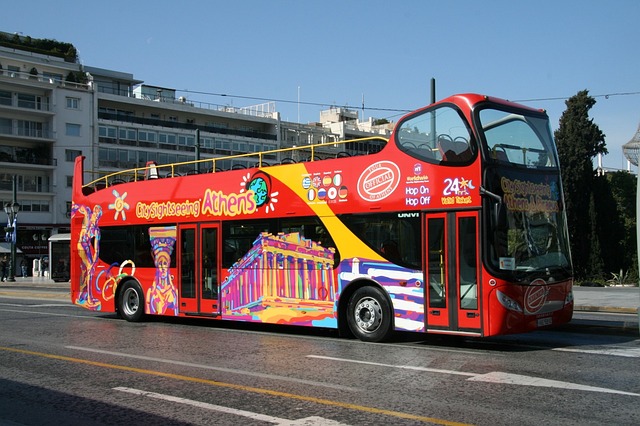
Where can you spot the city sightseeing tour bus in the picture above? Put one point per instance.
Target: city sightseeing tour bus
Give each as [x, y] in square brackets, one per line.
[454, 225]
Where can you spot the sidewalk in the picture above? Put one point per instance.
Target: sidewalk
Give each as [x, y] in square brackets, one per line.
[36, 287]
[618, 299]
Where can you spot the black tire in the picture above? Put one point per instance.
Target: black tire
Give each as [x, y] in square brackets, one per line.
[369, 315]
[131, 301]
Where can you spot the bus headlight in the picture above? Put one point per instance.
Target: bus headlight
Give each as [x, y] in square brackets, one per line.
[508, 302]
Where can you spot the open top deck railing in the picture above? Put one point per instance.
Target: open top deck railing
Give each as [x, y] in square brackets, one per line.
[307, 153]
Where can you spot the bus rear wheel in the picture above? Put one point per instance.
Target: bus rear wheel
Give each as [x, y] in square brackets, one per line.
[369, 315]
[131, 301]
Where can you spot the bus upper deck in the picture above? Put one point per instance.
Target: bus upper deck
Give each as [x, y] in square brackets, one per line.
[292, 155]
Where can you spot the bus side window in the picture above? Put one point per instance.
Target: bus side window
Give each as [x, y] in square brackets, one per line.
[454, 150]
[396, 238]
[238, 238]
[390, 250]
[312, 229]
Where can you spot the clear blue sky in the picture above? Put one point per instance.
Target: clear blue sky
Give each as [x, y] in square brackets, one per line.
[336, 51]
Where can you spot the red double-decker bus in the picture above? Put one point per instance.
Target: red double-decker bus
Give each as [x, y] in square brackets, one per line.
[455, 225]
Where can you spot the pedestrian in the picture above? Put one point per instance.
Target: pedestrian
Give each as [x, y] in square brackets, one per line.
[5, 266]
[44, 266]
[23, 267]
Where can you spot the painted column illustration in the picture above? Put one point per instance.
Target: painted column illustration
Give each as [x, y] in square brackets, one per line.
[162, 296]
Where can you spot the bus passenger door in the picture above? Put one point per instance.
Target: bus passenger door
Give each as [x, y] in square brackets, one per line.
[436, 279]
[467, 271]
[451, 272]
[209, 269]
[198, 269]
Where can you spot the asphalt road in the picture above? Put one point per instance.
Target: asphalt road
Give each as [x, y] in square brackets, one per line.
[60, 364]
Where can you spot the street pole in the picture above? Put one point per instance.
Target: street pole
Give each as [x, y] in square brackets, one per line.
[12, 213]
[197, 151]
[12, 272]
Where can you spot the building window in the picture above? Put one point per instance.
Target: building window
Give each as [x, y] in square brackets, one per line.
[167, 138]
[146, 136]
[34, 206]
[186, 140]
[107, 132]
[69, 181]
[26, 101]
[73, 103]
[72, 129]
[31, 129]
[206, 142]
[71, 154]
[127, 134]
[6, 126]
[5, 98]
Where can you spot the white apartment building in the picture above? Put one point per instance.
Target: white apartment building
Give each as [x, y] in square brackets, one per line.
[117, 122]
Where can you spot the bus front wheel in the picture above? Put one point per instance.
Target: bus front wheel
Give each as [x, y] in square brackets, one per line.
[131, 301]
[369, 315]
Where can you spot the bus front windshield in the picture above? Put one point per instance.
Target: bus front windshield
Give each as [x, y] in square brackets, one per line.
[518, 139]
[526, 226]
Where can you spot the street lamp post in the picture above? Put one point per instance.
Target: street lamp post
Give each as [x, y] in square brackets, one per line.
[12, 209]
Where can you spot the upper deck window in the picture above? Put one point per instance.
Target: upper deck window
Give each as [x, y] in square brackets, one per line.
[517, 139]
[439, 136]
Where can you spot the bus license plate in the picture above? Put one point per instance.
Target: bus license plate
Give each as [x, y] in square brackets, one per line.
[542, 322]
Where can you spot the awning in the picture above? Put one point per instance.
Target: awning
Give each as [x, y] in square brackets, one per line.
[6, 248]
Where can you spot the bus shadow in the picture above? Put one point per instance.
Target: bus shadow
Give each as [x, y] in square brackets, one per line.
[570, 335]
[28, 404]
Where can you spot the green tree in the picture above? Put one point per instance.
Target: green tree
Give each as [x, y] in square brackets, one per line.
[595, 266]
[579, 141]
[608, 229]
[622, 187]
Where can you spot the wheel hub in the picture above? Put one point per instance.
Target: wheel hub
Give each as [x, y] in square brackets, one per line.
[368, 314]
[132, 302]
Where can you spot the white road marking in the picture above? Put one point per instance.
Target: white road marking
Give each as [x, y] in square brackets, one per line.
[404, 367]
[308, 421]
[626, 352]
[225, 370]
[493, 377]
[517, 379]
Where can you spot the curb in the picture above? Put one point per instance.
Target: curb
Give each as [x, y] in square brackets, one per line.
[18, 294]
[607, 309]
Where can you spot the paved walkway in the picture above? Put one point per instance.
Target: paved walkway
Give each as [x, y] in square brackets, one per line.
[607, 299]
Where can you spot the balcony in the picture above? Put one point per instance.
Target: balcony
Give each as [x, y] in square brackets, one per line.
[7, 185]
[25, 132]
[188, 126]
[29, 79]
[26, 156]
